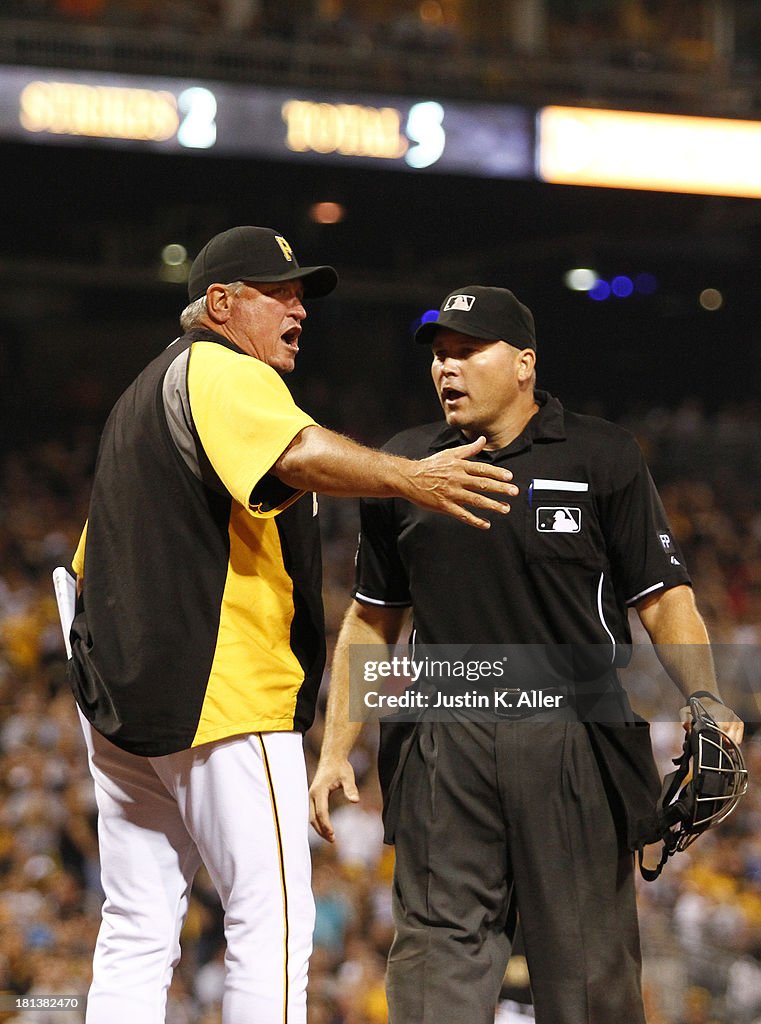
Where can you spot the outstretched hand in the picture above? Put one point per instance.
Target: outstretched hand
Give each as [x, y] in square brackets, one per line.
[447, 482]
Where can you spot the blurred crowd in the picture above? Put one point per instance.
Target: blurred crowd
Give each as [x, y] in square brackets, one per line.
[701, 922]
[643, 34]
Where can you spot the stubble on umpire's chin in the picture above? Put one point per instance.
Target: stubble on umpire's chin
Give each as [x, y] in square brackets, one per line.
[468, 431]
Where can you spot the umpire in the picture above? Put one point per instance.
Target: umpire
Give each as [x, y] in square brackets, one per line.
[538, 813]
[198, 643]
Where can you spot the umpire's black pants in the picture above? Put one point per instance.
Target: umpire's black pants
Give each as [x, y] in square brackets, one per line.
[494, 812]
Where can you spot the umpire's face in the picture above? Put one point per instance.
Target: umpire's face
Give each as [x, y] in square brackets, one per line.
[480, 383]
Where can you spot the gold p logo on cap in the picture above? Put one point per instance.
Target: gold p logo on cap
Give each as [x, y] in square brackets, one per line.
[285, 247]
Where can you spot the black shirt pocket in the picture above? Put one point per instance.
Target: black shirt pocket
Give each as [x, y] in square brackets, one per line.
[562, 526]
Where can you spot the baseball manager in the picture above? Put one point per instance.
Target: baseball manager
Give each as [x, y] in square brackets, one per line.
[198, 643]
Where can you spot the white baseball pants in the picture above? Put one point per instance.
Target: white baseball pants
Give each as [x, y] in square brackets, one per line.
[238, 805]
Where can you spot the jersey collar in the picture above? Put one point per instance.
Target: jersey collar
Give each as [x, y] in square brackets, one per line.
[547, 425]
[205, 334]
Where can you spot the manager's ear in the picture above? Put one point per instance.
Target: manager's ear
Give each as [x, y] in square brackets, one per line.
[526, 364]
[219, 300]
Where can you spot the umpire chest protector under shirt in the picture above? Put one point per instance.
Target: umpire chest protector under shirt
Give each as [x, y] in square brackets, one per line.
[202, 612]
[586, 537]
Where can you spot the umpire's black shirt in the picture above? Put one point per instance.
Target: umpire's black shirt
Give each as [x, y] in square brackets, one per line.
[586, 537]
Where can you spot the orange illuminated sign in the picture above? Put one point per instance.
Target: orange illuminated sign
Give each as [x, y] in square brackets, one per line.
[345, 128]
[98, 111]
[660, 152]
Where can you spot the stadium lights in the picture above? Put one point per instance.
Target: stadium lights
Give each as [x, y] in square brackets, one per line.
[580, 279]
[661, 152]
[174, 263]
[327, 213]
[424, 318]
[711, 299]
[174, 255]
[620, 286]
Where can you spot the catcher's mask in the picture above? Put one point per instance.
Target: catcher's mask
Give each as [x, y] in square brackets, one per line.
[716, 779]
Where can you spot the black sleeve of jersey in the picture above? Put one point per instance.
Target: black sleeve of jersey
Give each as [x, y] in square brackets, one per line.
[380, 577]
[643, 554]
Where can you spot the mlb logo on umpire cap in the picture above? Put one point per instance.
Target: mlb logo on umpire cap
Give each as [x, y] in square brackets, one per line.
[459, 302]
[480, 311]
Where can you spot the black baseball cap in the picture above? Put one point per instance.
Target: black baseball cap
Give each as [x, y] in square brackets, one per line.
[258, 255]
[493, 314]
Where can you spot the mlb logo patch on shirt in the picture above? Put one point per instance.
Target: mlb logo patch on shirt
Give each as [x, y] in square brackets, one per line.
[563, 519]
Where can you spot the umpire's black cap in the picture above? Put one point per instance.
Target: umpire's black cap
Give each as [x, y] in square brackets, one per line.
[254, 254]
[482, 312]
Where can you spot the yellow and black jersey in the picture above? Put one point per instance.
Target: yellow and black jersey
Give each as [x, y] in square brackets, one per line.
[201, 615]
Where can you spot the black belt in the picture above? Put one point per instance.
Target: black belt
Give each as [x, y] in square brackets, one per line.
[517, 702]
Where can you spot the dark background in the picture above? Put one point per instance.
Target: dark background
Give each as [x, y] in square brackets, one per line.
[83, 304]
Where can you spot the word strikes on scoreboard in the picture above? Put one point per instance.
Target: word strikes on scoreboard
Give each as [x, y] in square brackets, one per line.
[402, 133]
[117, 112]
[354, 130]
